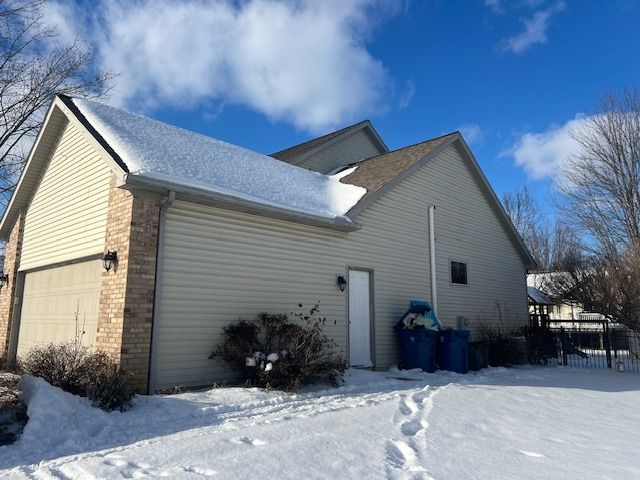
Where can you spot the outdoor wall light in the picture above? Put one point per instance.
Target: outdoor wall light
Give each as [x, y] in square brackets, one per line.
[342, 283]
[4, 279]
[110, 259]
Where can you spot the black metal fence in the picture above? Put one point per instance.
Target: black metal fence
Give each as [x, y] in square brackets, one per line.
[596, 344]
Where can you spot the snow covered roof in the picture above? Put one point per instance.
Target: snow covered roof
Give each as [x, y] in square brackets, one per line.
[158, 151]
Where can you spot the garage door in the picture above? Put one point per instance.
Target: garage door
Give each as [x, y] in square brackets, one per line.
[60, 304]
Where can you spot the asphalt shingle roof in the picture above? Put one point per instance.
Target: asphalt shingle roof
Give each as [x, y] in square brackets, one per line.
[376, 172]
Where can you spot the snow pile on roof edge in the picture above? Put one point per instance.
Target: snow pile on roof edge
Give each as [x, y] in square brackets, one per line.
[164, 152]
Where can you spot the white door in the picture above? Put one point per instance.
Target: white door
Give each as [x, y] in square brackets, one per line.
[60, 305]
[359, 319]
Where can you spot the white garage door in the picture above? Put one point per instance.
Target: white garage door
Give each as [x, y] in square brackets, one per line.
[60, 304]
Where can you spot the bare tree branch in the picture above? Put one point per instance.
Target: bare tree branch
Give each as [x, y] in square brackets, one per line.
[34, 66]
[602, 194]
[548, 241]
[601, 199]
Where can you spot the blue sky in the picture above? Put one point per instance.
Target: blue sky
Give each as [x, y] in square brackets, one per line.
[514, 76]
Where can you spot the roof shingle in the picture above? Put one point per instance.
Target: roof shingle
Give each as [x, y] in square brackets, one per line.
[376, 172]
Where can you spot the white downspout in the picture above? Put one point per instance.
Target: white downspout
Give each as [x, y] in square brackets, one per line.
[432, 258]
[156, 297]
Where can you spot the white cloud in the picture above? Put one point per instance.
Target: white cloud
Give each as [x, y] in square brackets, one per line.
[407, 94]
[301, 61]
[543, 155]
[535, 30]
[472, 133]
[494, 5]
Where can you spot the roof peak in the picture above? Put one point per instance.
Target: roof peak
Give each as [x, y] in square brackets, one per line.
[414, 145]
[312, 144]
[439, 137]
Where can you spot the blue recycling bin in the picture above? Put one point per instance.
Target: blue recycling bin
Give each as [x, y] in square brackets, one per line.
[453, 349]
[418, 348]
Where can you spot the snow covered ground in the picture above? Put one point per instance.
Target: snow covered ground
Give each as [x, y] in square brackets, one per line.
[519, 423]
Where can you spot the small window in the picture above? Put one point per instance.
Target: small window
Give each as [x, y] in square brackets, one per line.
[459, 273]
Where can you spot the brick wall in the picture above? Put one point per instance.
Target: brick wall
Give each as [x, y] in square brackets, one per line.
[11, 263]
[125, 312]
[127, 291]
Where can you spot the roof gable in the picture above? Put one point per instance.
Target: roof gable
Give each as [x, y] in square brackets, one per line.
[57, 117]
[297, 154]
[381, 173]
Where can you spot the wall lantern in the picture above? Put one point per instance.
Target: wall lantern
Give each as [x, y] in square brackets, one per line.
[4, 279]
[342, 283]
[109, 260]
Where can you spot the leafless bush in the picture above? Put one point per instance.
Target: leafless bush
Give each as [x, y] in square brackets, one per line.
[503, 344]
[82, 371]
[272, 352]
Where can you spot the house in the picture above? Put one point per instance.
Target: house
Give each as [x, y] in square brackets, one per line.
[543, 306]
[145, 240]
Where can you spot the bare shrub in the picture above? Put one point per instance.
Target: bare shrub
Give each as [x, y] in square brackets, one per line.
[108, 387]
[79, 370]
[542, 345]
[272, 352]
[503, 344]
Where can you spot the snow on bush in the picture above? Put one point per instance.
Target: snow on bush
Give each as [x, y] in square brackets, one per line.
[300, 352]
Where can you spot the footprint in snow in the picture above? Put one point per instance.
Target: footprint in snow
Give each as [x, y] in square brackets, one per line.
[249, 441]
[531, 454]
[400, 453]
[408, 406]
[412, 428]
[205, 472]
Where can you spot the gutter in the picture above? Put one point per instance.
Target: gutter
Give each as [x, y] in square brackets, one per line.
[151, 385]
[231, 202]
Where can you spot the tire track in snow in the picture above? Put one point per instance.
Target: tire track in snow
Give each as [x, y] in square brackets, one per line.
[405, 453]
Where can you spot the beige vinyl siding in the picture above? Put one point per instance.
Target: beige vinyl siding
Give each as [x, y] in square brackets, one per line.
[67, 216]
[221, 265]
[357, 146]
[468, 229]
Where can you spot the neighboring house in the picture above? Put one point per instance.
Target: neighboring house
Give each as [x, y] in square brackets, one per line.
[206, 232]
[544, 306]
